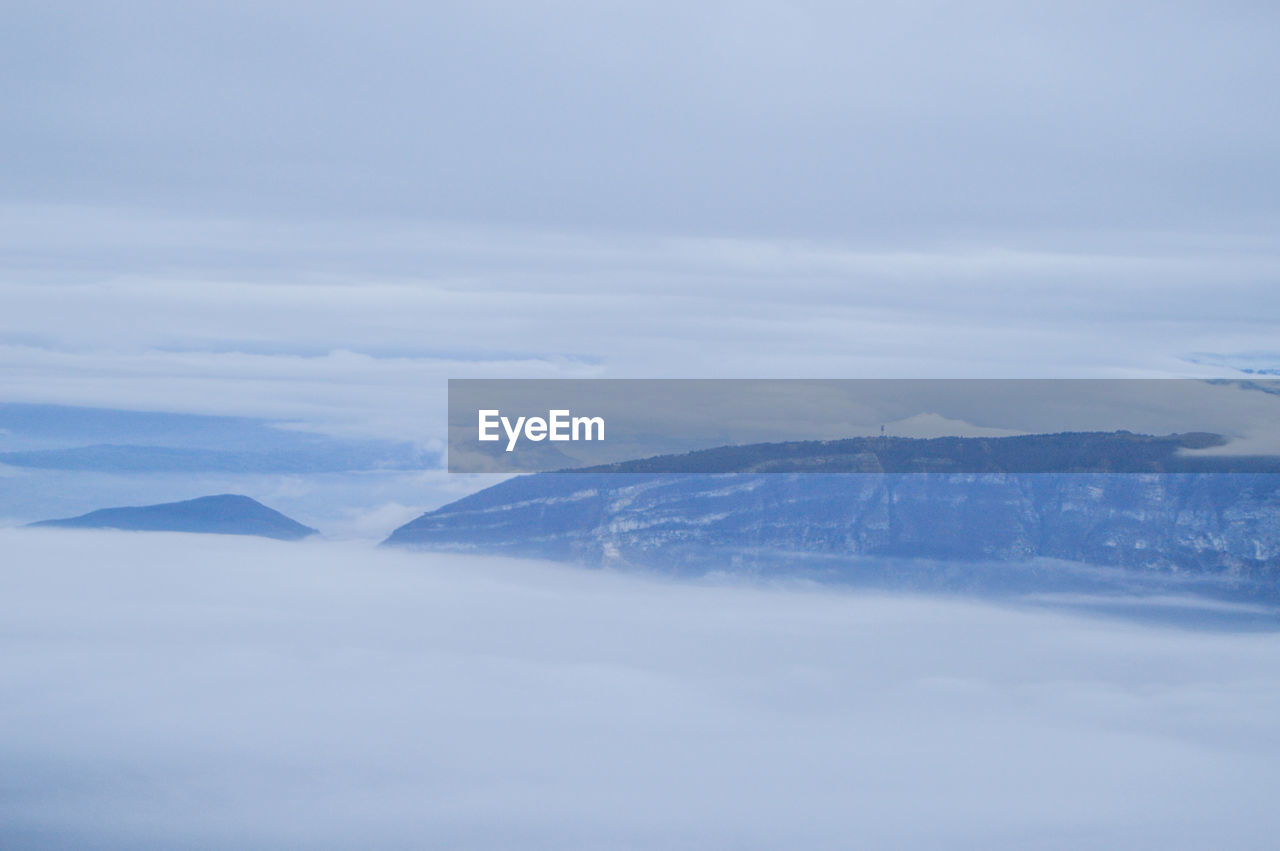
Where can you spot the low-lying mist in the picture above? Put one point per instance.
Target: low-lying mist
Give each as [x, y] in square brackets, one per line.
[168, 691]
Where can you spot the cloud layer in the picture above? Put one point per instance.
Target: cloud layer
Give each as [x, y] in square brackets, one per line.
[317, 211]
[327, 695]
[356, 329]
[758, 117]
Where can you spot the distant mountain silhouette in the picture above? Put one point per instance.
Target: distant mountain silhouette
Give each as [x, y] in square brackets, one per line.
[225, 514]
[326, 457]
[1063, 452]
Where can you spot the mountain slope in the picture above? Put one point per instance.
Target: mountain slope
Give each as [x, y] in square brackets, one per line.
[225, 514]
[1224, 524]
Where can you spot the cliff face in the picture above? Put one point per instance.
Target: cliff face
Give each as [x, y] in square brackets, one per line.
[1223, 524]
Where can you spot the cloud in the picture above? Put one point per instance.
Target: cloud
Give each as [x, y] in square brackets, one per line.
[355, 325]
[314, 214]
[328, 695]
[714, 118]
[936, 425]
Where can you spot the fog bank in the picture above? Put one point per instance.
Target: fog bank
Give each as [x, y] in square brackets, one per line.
[164, 690]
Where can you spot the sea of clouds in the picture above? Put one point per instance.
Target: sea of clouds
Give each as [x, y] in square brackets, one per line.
[316, 216]
[167, 691]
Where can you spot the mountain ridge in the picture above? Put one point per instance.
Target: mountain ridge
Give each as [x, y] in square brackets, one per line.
[1219, 523]
[224, 514]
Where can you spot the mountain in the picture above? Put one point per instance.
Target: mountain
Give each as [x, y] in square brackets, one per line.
[1188, 523]
[112, 458]
[98, 440]
[1064, 452]
[225, 514]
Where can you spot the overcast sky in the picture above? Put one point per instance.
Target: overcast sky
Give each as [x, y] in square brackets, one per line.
[780, 119]
[350, 203]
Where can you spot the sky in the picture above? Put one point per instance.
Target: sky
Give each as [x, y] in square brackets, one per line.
[315, 213]
[766, 119]
[327, 695]
[319, 212]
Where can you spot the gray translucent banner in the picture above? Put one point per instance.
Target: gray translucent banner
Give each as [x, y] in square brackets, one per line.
[864, 425]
